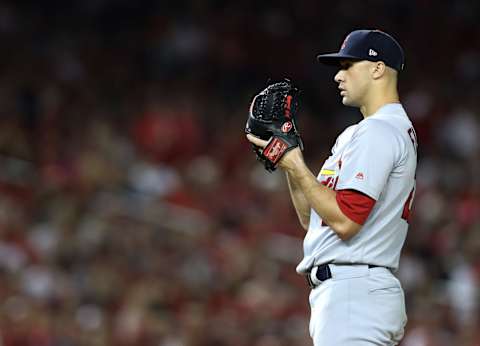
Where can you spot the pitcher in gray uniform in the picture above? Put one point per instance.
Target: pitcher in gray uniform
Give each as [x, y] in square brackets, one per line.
[356, 211]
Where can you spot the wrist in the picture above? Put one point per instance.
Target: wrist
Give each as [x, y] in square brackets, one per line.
[292, 161]
[297, 168]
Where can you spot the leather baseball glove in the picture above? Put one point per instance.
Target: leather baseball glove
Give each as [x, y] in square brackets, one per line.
[272, 117]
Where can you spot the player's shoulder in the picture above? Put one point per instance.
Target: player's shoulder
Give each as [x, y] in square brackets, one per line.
[386, 123]
[376, 126]
[381, 132]
[391, 118]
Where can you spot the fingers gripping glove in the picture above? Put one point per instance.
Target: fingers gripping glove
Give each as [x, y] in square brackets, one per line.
[272, 117]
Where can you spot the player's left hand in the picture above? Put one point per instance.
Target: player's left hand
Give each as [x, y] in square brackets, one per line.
[289, 161]
[272, 119]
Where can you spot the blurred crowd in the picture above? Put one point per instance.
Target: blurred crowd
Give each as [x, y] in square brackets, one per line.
[132, 211]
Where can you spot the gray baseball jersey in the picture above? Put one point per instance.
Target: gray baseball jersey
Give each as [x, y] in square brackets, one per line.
[378, 157]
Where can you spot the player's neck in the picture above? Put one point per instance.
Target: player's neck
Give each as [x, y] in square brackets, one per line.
[372, 105]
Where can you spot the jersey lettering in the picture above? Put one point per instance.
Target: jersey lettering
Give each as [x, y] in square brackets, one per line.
[330, 182]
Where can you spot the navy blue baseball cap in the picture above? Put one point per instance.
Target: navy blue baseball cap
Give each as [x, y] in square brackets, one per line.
[372, 45]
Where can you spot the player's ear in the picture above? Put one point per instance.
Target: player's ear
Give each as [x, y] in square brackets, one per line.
[378, 69]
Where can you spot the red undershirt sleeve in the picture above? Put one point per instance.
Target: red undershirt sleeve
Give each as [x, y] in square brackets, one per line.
[355, 205]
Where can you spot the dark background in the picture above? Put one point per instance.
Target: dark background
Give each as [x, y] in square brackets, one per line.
[132, 210]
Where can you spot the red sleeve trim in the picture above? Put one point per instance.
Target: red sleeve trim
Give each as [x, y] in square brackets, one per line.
[355, 205]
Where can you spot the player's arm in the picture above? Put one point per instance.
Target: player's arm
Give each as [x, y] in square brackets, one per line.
[302, 207]
[322, 199]
[361, 179]
[317, 196]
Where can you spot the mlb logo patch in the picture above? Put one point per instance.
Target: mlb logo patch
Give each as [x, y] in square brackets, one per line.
[359, 176]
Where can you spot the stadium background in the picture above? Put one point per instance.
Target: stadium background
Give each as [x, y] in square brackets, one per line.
[132, 211]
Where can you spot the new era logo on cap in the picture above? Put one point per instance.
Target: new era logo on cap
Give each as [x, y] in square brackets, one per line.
[371, 52]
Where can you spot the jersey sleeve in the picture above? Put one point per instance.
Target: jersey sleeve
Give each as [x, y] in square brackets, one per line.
[368, 159]
[355, 205]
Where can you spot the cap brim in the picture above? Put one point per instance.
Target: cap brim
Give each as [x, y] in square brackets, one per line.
[334, 58]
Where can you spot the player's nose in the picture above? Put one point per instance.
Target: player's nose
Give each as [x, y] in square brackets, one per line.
[339, 76]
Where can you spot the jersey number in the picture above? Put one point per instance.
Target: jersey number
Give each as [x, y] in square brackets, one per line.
[407, 208]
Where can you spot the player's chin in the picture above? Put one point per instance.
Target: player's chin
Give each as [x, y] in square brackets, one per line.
[346, 101]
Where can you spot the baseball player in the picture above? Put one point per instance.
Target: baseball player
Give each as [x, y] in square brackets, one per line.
[356, 210]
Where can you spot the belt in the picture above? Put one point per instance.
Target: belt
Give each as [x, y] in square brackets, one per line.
[321, 273]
